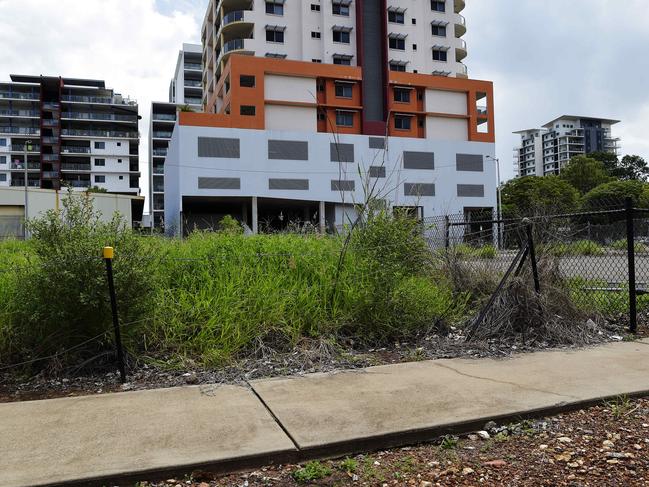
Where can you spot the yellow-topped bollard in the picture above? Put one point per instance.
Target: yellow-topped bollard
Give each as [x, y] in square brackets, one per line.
[109, 252]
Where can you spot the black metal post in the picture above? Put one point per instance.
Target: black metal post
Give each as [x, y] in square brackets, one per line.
[630, 250]
[447, 232]
[530, 246]
[108, 258]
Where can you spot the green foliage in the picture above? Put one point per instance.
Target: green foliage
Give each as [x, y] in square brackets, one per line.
[609, 160]
[633, 167]
[620, 406]
[230, 226]
[349, 465]
[59, 299]
[448, 443]
[585, 173]
[578, 247]
[621, 244]
[311, 471]
[532, 195]
[614, 194]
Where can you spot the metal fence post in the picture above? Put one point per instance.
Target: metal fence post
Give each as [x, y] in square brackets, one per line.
[530, 246]
[630, 248]
[108, 258]
[447, 232]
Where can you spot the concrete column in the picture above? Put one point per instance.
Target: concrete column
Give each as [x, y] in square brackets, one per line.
[321, 216]
[255, 216]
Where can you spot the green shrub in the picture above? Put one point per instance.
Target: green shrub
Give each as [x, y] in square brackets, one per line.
[577, 248]
[486, 252]
[621, 244]
[60, 299]
[230, 226]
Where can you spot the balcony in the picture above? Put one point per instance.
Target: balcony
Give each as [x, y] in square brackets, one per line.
[99, 116]
[20, 166]
[32, 183]
[50, 157]
[462, 71]
[100, 133]
[234, 45]
[50, 140]
[19, 113]
[460, 52]
[459, 6]
[77, 183]
[14, 95]
[160, 152]
[30, 149]
[158, 188]
[460, 26]
[67, 166]
[51, 174]
[165, 117]
[193, 101]
[193, 67]
[20, 130]
[49, 106]
[75, 150]
[87, 99]
[157, 134]
[159, 170]
[49, 122]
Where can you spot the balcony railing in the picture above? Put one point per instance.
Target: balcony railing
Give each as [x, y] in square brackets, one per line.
[193, 83]
[32, 183]
[158, 188]
[75, 150]
[236, 16]
[159, 170]
[195, 66]
[88, 99]
[164, 116]
[51, 174]
[162, 135]
[193, 101]
[98, 116]
[50, 123]
[160, 152]
[21, 165]
[20, 130]
[50, 157]
[463, 70]
[21, 148]
[19, 113]
[67, 166]
[233, 45]
[51, 106]
[99, 133]
[19, 96]
[77, 183]
[50, 140]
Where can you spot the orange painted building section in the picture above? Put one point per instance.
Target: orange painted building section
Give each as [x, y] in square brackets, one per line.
[239, 98]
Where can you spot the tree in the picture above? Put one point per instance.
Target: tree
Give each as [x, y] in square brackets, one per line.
[609, 160]
[532, 195]
[633, 168]
[585, 173]
[613, 194]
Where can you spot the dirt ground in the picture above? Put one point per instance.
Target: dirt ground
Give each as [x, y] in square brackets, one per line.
[606, 445]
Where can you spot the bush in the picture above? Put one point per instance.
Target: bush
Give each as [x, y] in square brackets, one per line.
[580, 247]
[60, 299]
[621, 245]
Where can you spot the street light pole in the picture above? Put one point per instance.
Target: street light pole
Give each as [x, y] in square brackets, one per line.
[499, 203]
[27, 146]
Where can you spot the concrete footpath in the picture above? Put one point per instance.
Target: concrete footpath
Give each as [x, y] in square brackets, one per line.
[116, 438]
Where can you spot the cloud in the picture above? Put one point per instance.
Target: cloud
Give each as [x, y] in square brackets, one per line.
[131, 44]
[581, 57]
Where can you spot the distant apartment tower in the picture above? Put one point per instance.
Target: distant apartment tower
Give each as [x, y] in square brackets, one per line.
[73, 132]
[547, 150]
[401, 35]
[185, 93]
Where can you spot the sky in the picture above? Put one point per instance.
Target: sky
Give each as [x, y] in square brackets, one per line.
[546, 57]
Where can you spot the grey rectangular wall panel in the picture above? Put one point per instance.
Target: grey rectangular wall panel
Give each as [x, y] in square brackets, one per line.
[219, 183]
[343, 185]
[377, 143]
[342, 152]
[470, 190]
[377, 171]
[219, 147]
[419, 160]
[289, 184]
[419, 189]
[469, 162]
[288, 150]
[373, 37]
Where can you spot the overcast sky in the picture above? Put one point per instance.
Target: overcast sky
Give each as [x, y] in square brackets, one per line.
[546, 57]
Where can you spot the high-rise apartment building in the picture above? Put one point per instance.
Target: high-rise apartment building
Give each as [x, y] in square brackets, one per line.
[416, 36]
[547, 150]
[185, 93]
[71, 132]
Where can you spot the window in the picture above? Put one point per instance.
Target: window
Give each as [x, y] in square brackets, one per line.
[318, 61]
[344, 119]
[3, 178]
[402, 122]
[119, 161]
[396, 17]
[438, 6]
[397, 42]
[100, 162]
[275, 34]
[440, 55]
[397, 67]
[3, 159]
[343, 90]
[315, 8]
[341, 36]
[401, 95]
[247, 110]
[274, 8]
[315, 35]
[439, 30]
[414, 21]
[100, 178]
[342, 59]
[3, 142]
[119, 144]
[247, 81]
[414, 47]
[340, 9]
[121, 177]
[100, 145]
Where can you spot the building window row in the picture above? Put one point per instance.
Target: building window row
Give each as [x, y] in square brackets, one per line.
[338, 7]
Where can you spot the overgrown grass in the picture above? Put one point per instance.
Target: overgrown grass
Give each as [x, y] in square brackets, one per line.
[577, 248]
